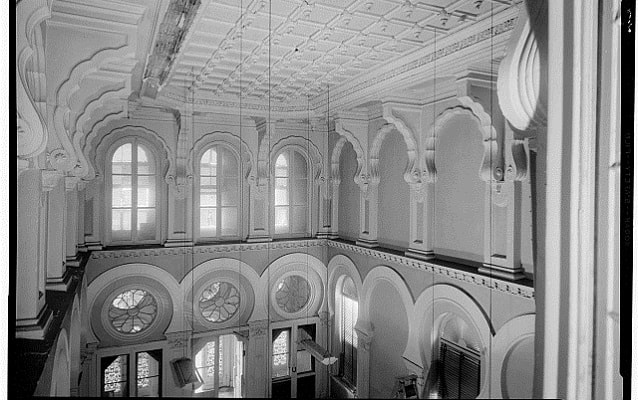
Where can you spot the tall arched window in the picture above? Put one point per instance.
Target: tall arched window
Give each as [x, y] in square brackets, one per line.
[347, 313]
[219, 194]
[133, 194]
[291, 193]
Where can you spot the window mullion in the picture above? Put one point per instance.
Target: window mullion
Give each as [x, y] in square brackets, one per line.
[134, 192]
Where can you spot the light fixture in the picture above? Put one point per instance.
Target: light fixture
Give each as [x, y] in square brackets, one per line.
[317, 351]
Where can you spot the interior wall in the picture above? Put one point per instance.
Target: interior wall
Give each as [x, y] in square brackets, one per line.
[348, 194]
[394, 193]
[459, 192]
[390, 323]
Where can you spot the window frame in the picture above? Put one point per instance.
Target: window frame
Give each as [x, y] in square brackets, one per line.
[135, 141]
[339, 307]
[308, 203]
[197, 193]
[131, 353]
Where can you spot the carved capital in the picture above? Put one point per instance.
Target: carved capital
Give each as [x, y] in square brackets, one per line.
[500, 196]
[60, 160]
[71, 182]
[50, 179]
[180, 185]
[178, 340]
[258, 328]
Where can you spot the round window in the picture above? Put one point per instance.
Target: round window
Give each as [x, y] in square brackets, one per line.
[132, 311]
[293, 293]
[219, 302]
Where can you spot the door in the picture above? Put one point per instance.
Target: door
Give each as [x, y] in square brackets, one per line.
[220, 363]
[293, 368]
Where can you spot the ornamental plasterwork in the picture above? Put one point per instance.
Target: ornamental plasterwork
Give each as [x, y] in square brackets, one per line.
[476, 279]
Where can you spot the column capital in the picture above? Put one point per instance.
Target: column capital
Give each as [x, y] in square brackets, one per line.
[178, 339]
[50, 179]
[258, 328]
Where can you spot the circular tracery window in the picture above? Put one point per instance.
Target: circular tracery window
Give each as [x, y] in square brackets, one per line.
[219, 302]
[132, 311]
[293, 293]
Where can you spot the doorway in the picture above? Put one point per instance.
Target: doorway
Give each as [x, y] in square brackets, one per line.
[220, 363]
[293, 373]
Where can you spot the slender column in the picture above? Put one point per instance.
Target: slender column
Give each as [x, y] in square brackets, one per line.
[93, 207]
[334, 204]
[90, 385]
[364, 341]
[323, 334]
[81, 247]
[57, 277]
[72, 259]
[368, 213]
[421, 221]
[178, 346]
[32, 314]
[258, 226]
[257, 362]
[180, 187]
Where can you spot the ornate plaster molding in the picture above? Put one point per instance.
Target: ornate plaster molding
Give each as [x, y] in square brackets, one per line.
[476, 279]
[208, 249]
[522, 93]
[342, 128]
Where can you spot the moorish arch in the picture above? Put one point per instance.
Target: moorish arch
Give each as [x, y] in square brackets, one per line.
[433, 308]
[341, 266]
[234, 143]
[491, 165]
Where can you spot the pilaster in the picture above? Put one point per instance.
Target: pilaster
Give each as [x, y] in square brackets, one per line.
[364, 342]
[71, 234]
[368, 212]
[180, 186]
[178, 345]
[58, 278]
[257, 362]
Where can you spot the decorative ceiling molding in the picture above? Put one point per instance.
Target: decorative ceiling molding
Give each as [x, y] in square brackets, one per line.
[177, 21]
[316, 44]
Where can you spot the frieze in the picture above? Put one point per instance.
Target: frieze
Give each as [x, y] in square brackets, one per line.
[475, 279]
[211, 249]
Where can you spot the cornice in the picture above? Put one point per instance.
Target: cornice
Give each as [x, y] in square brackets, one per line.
[209, 249]
[475, 279]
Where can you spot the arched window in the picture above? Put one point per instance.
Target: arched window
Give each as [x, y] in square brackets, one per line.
[291, 194]
[133, 173]
[219, 194]
[347, 313]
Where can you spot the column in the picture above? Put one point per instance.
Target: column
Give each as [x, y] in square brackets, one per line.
[93, 206]
[323, 336]
[81, 247]
[180, 187]
[257, 361]
[91, 381]
[368, 212]
[258, 225]
[364, 341]
[32, 314]
[57, 276]
[421, 221]
[72, 259]
[178, 346]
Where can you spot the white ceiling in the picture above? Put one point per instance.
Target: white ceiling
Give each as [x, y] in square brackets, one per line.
[314, 43]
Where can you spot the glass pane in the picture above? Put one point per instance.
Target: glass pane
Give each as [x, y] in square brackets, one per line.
[122, 191]
[208, 196]
[281, 219]
[146, 191]
[208, 222]
[208, 165]
[299, 166]
[146, 224]
[299, 219]
[305, 362]
[145, 163]
[121, 223]
[300, 192]
[229, 192]
[229, 163]
[115, 377]
[281, 165]
[280, 353]
[229, 221]
[122, 159]
[148, 375]
[281, 191]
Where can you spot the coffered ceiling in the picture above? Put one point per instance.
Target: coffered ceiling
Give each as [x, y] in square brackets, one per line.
[286, 50]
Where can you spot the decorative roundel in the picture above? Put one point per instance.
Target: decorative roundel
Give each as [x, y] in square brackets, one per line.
[132, 311]
[293, 293]
[219, 302]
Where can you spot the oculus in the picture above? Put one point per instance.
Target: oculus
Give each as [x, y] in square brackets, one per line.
[132, 311]
[219, 302]
[293, 293]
